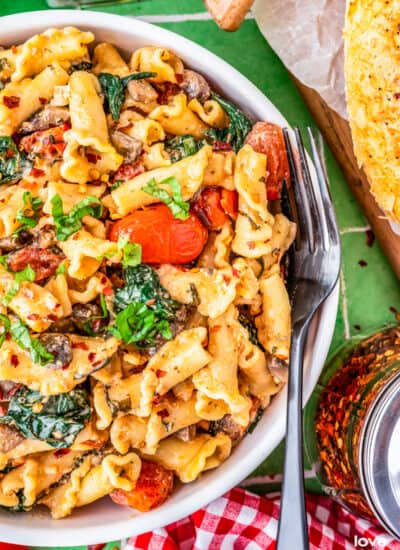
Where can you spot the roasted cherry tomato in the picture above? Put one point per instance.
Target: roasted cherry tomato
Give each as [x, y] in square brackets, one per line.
[47, 144]
[207, 205]
[267, 138]
[164, 239]
[229, 202]
[153, 487]
[43, 262]
[128, 171]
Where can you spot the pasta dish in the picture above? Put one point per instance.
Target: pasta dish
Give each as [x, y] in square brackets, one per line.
[144, 318]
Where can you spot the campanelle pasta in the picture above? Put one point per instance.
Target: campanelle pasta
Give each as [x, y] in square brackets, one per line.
[142, 297]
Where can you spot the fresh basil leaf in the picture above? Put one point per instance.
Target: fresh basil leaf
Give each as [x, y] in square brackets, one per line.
[68, 224]
[116, 184]
[61, 269]
[239, 125]
[178, 207]
[21, 336]
[13, 164]
[27, 274]
[113, 88]
[6, 327]
[131, 252]
[181, 147]
[29, 215]
[56, 419]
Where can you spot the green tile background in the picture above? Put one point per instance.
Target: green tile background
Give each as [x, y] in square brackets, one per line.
[368, 292]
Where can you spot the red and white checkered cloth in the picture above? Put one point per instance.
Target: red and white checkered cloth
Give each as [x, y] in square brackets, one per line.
[243, 521]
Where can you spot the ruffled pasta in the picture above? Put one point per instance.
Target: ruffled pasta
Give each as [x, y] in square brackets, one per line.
[158, 60]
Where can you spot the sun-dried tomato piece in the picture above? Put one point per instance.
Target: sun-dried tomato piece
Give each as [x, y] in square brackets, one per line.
[43, 262]
[11, 101]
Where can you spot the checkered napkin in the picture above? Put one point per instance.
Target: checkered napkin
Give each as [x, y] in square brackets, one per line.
[243, 521]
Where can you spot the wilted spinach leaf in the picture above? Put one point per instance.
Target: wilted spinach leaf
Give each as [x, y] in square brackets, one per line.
[58, 421]
[114, 89]
[239, 125]
[181, 147]
[13, 164]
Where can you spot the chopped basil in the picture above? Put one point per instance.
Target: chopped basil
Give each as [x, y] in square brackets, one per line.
[61, 269]
[21, 336]
[68, 224]
[87, 325]
[131, 252]
[181, 147]
[28, 216]
[114, 89]
[239, 125]
[27, 274]
[116, 184]
[6, 328]
[13, 164]
[56, 419]
[175, 202]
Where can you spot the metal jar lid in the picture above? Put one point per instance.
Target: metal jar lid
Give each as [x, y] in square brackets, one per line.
[379, 457]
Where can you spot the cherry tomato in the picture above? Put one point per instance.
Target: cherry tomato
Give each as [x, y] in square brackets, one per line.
[164, 239]
[229, 203]
[207, 205]
[47, 144]
[153, 487]
[128, 171]
[8, 546]
[267, 138]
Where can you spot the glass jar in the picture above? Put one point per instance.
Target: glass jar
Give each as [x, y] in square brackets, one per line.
[355, 446]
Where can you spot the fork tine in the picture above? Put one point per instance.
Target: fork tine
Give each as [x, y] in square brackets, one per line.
[326, 200]
[300, 203]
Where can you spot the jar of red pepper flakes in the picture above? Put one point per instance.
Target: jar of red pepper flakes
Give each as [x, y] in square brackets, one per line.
[355, 447]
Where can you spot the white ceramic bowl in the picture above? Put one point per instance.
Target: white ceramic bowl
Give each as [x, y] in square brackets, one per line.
[104, 520]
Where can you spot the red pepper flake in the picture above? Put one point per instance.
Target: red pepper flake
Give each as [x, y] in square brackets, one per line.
[98, 363]
[160, 373]
[9, 153]
[236, 272]
[93, 158]
[80, 345]
[61, 452]
[103, 280]
[75, 237]
[396, 95]
[14, 360]
[370, 237]
[33, 317]
[52, 317]
[107, 291]
[91, 356]
[163, 413]
[96, 546]
[65, 367]
[36, 173]
[66, 126]
[94, 444]
[43, 100]
[157, 399]
[221, 146]
[150, 302]
[251, 245]
[179, 78]
[3, 409]
[14, 49]
[362, 263]
[227, 279]
[215, 328]
[11, 101]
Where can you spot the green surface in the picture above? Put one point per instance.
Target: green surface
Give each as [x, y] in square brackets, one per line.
[367, 292]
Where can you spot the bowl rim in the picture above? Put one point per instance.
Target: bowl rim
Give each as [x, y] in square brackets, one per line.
[246, 94]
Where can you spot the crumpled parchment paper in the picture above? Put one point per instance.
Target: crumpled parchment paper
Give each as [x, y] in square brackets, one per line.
[307, 36]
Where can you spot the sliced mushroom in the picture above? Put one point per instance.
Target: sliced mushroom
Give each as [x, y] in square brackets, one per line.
[14, 242]
[195, 85]
[229, 426]
[84, 313]
[128, 146]
[187, 434]
[63, 325]
[44, 119]
[278, 368]
[10, 438]
[46, 236]
[142, 91]
[58, 345]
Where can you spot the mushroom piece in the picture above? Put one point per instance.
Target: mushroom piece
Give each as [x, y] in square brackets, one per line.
[187, 434]
[229, 426]
[195, 85]
[10, 438]
[128, 146]
[14, 242]
[44, 119]
[142, 91]
[58, 345]
[85, 313]
[45, 236]
[278, 368]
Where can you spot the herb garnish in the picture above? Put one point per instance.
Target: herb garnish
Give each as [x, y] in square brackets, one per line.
[58, 420]
[131, 252]
[175, 202]
[239, 125]
[6, 328]
[68, 224]
[28, 216]
[87, 325]
[13, 164]
[61, 269]
[114, 89]
[21, 336]
[181, 147]
[27, 274]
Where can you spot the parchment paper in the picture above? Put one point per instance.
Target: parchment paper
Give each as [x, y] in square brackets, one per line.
[307, 36]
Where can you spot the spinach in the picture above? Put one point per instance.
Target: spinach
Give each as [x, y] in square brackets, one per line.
[114, 89]
[145, 307]
[178, 207]
[5, 321]
[239, 125]
[28, 216]
[68, 224]
[180, 147]
[27, 274]
[82, 66]
[13, 164]
[131, 252]
[21, 336]
[251, 329]
[256, 420]
[56, 419]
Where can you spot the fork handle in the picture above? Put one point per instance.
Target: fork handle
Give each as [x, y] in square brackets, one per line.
[292, 530]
